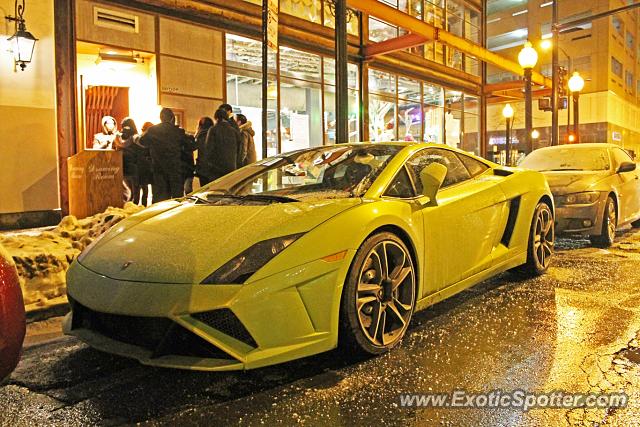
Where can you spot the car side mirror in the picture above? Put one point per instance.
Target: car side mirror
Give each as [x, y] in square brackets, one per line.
[432, 178]
[626, 167]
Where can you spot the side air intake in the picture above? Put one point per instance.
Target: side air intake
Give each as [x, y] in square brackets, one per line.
[514, 208]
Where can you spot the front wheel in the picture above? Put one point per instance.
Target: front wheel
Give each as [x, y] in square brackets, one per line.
[379, 296]
[541, 242]
[609, 225]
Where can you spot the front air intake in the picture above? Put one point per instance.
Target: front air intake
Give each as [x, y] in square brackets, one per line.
[226, 322]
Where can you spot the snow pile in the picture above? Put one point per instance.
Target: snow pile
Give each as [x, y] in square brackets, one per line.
[43, 256]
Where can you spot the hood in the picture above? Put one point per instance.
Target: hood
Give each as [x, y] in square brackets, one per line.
[186, 243]
[247, 127]
[573, 181]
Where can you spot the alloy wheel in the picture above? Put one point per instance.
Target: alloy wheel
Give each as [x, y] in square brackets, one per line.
[611, 225]
[385, 293]
[543, 237]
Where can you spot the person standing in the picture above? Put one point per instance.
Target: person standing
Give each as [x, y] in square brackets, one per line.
[145, 170]
[128, 138]
[165, 141]
[109, 136]
[248, 145]
[188, 163]
[229, 110]
[222, 147]
[204, 124]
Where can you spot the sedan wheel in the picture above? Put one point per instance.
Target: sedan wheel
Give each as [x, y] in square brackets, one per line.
[609, 225]
[379, 296]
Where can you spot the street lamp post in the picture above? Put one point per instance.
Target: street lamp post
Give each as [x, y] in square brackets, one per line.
[576, 84]
[507, 113]
[528, 57]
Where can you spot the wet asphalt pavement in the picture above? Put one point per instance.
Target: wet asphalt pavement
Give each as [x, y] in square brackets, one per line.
[575, 329]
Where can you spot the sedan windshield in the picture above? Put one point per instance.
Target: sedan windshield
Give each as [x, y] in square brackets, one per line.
[567, 159]
[318, 173]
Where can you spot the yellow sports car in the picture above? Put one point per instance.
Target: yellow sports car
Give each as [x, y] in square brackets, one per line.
[305, 251]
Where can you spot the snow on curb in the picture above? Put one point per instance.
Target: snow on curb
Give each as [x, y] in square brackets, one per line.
[43, 256]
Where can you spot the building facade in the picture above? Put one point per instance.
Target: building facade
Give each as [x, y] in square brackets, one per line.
[606, 52]
[129, 58]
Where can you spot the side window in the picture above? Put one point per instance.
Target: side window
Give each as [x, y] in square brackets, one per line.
[475, 167]
[620, 156]
[400, 186]
[456, 172]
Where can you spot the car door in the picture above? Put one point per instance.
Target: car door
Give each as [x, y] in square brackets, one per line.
[628, 187]
[461, 230]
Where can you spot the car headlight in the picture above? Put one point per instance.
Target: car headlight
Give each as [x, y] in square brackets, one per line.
[243, 265]
[586, 198]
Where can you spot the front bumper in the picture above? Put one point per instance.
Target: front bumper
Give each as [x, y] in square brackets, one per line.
[286, 316]
[582, 220]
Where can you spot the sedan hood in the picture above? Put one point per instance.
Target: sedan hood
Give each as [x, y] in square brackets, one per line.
[562, 183]
[186, 243]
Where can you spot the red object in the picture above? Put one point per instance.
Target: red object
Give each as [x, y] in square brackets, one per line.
[12, 318]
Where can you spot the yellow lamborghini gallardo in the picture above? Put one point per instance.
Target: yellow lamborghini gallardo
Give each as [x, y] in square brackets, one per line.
[305, 251]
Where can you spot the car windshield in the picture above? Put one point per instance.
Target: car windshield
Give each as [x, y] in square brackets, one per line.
[567, 159]
[318, 173]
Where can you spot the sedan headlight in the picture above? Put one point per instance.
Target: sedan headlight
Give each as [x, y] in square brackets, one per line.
[586, 198]
[242, 266]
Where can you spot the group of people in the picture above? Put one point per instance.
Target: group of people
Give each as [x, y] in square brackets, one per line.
[163, 155]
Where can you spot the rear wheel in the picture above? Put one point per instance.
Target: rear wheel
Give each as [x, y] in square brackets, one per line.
[541, 242]
[609, 225]
[379, 296]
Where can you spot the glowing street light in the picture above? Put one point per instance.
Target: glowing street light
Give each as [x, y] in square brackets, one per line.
[576, 84]
[528, 58]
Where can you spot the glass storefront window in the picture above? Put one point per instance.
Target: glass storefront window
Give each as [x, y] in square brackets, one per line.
[300, 65]
[434, 12]
[408, 89]
[381, 82]
[380, 31]
[411, 7]
[244, 93]
[471, 65]
[330, 73]
[454, 58]
[330, 115]
[472, 25]
[300, 114]
[433, 102]
[471, 132]
[409, 120]
[382, 119]
[453, 117]
[243, 52]
[305, 9]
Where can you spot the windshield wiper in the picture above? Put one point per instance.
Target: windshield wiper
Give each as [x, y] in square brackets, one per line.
[274, 197]
[198, 199]
[256, 197]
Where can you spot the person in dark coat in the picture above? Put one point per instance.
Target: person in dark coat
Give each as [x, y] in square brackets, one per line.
[222, 147]
[248, 145]
[229, 110]
[145, 169]
[129, 136]
[165, 141]
[204, 124]
[188, 163]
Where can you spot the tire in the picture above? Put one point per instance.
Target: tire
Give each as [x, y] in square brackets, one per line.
[377, 302]
[609, 224]
[540, 247]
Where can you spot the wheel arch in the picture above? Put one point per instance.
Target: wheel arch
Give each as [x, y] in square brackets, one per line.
[406, 239]
[547, 199]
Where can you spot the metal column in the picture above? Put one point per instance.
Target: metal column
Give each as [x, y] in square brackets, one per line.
[554, 76]
[342, 76]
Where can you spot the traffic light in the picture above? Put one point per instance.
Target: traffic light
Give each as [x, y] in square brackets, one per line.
[562, 82]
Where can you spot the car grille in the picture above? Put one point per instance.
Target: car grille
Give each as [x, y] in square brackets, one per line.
[226, 322]
[159, 335]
